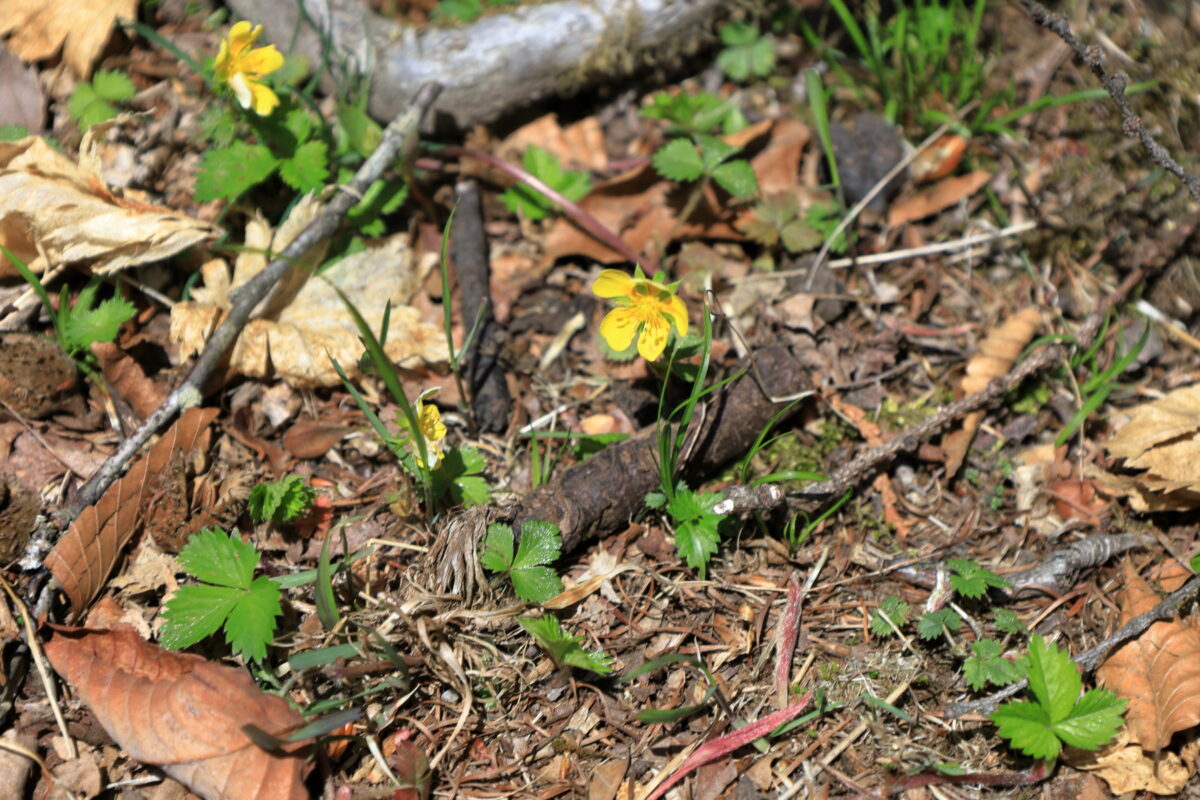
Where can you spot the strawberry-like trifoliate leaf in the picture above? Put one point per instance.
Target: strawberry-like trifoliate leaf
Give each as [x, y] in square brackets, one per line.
[678, 160]
[563, 648]
[540, 545]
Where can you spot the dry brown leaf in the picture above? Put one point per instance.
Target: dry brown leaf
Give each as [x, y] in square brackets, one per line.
[642, 209]
[83, 558]
[80, 27]
[577, 146]
[312, 438]
[1159, 672]
[182, 713]
[937, 197]
[997, 354]
[54, 211]
[1140, 498]
[778, 164]
[1128, 768]
[1161, 437]
[125, 375]
[303, 322]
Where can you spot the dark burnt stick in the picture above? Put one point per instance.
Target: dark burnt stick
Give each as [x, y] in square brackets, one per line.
[604, 492]
[490, 401]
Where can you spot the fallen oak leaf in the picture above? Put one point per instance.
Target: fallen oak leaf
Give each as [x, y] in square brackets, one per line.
[182, 713]
[40, 29]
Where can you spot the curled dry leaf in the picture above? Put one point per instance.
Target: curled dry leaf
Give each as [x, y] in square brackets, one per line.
[40, 28]
[937, 197]
[303, 322]
[126, 377]
[183, 714]
[997, 354]
[83, 557]
[1159, 672]
[56, 211]
[1162, 438]
[1128, 768]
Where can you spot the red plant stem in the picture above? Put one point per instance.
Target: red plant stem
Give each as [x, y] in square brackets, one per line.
[576, 214]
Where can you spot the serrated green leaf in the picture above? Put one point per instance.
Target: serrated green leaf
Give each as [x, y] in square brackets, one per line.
[565, 649]
[971, 580]
[686, 505]
[114, 86]
[696, 542]
[1007, 621]
[227, 173]
[798, 237]
[1053, 678]
[1025, 725]
[896, 610]
[988, 665]
[931, 625]
[678, 160]
[1094, 720]
[536, 584]
[250, 626]
[284, 500]
[735, 62]
[736, 33]
[762, 57]
[364, 133]
[540, 544]
[307, 170]
[195, 612]
[299, 122]
[88, 108]
[737, 177]
[216, 557]
[713, 151]
[99, 324]
[497, 554]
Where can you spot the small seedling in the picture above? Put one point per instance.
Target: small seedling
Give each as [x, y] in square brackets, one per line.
[697, 528]
[1008, 622]
[541, 164]
[701, 112]
[230, 597]
[532, 580]
[92, 101]
[933, 624]
[989, 665]
[971, 580]
[681, 160]
[1058, 715]
[281, 501]
[892, 609]
[563, 648]
[80, 324]
[747, 52]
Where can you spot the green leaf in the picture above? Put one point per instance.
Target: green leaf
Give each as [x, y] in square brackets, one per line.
[738, 178]
[216, 557]
[10, 132]
[227, 173]
[307, 170]
[932, 624]
[364, 133]
[1059, 714]
[497, 554]
[1007, 621]
[713, 151]
[250, 626]
[87, 107]
[564, 649]
[1094, 720]
[284, 500]
[458, 478]
[988, 665]
[542, 164]
[736, 34]
[83, 327]
[971, 580]
[1026, 726]
[195, 612]
[896, 610]
[697, 531]
[114, 86]
[457, 10]
[1053, 678]
[678, 160]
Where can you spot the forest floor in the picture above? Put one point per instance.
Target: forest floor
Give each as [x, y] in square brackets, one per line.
[944, 445]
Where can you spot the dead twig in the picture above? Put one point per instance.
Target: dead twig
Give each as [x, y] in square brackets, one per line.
[1115, 83]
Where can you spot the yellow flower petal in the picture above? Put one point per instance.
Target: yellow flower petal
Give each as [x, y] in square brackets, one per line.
[262, 61]
[613, 283]
[677, 311]
[430, 420]
[618, 328]
[653, 340]
[264, 100]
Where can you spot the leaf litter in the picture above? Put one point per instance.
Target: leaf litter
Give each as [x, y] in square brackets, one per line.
[462, 699]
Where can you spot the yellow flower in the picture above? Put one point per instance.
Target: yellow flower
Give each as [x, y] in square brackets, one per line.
[434, 430]
[645, 309]
[240, 66]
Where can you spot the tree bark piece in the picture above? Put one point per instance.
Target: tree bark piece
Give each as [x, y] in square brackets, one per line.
[490, 401]
[604, 492]
[493, 65]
